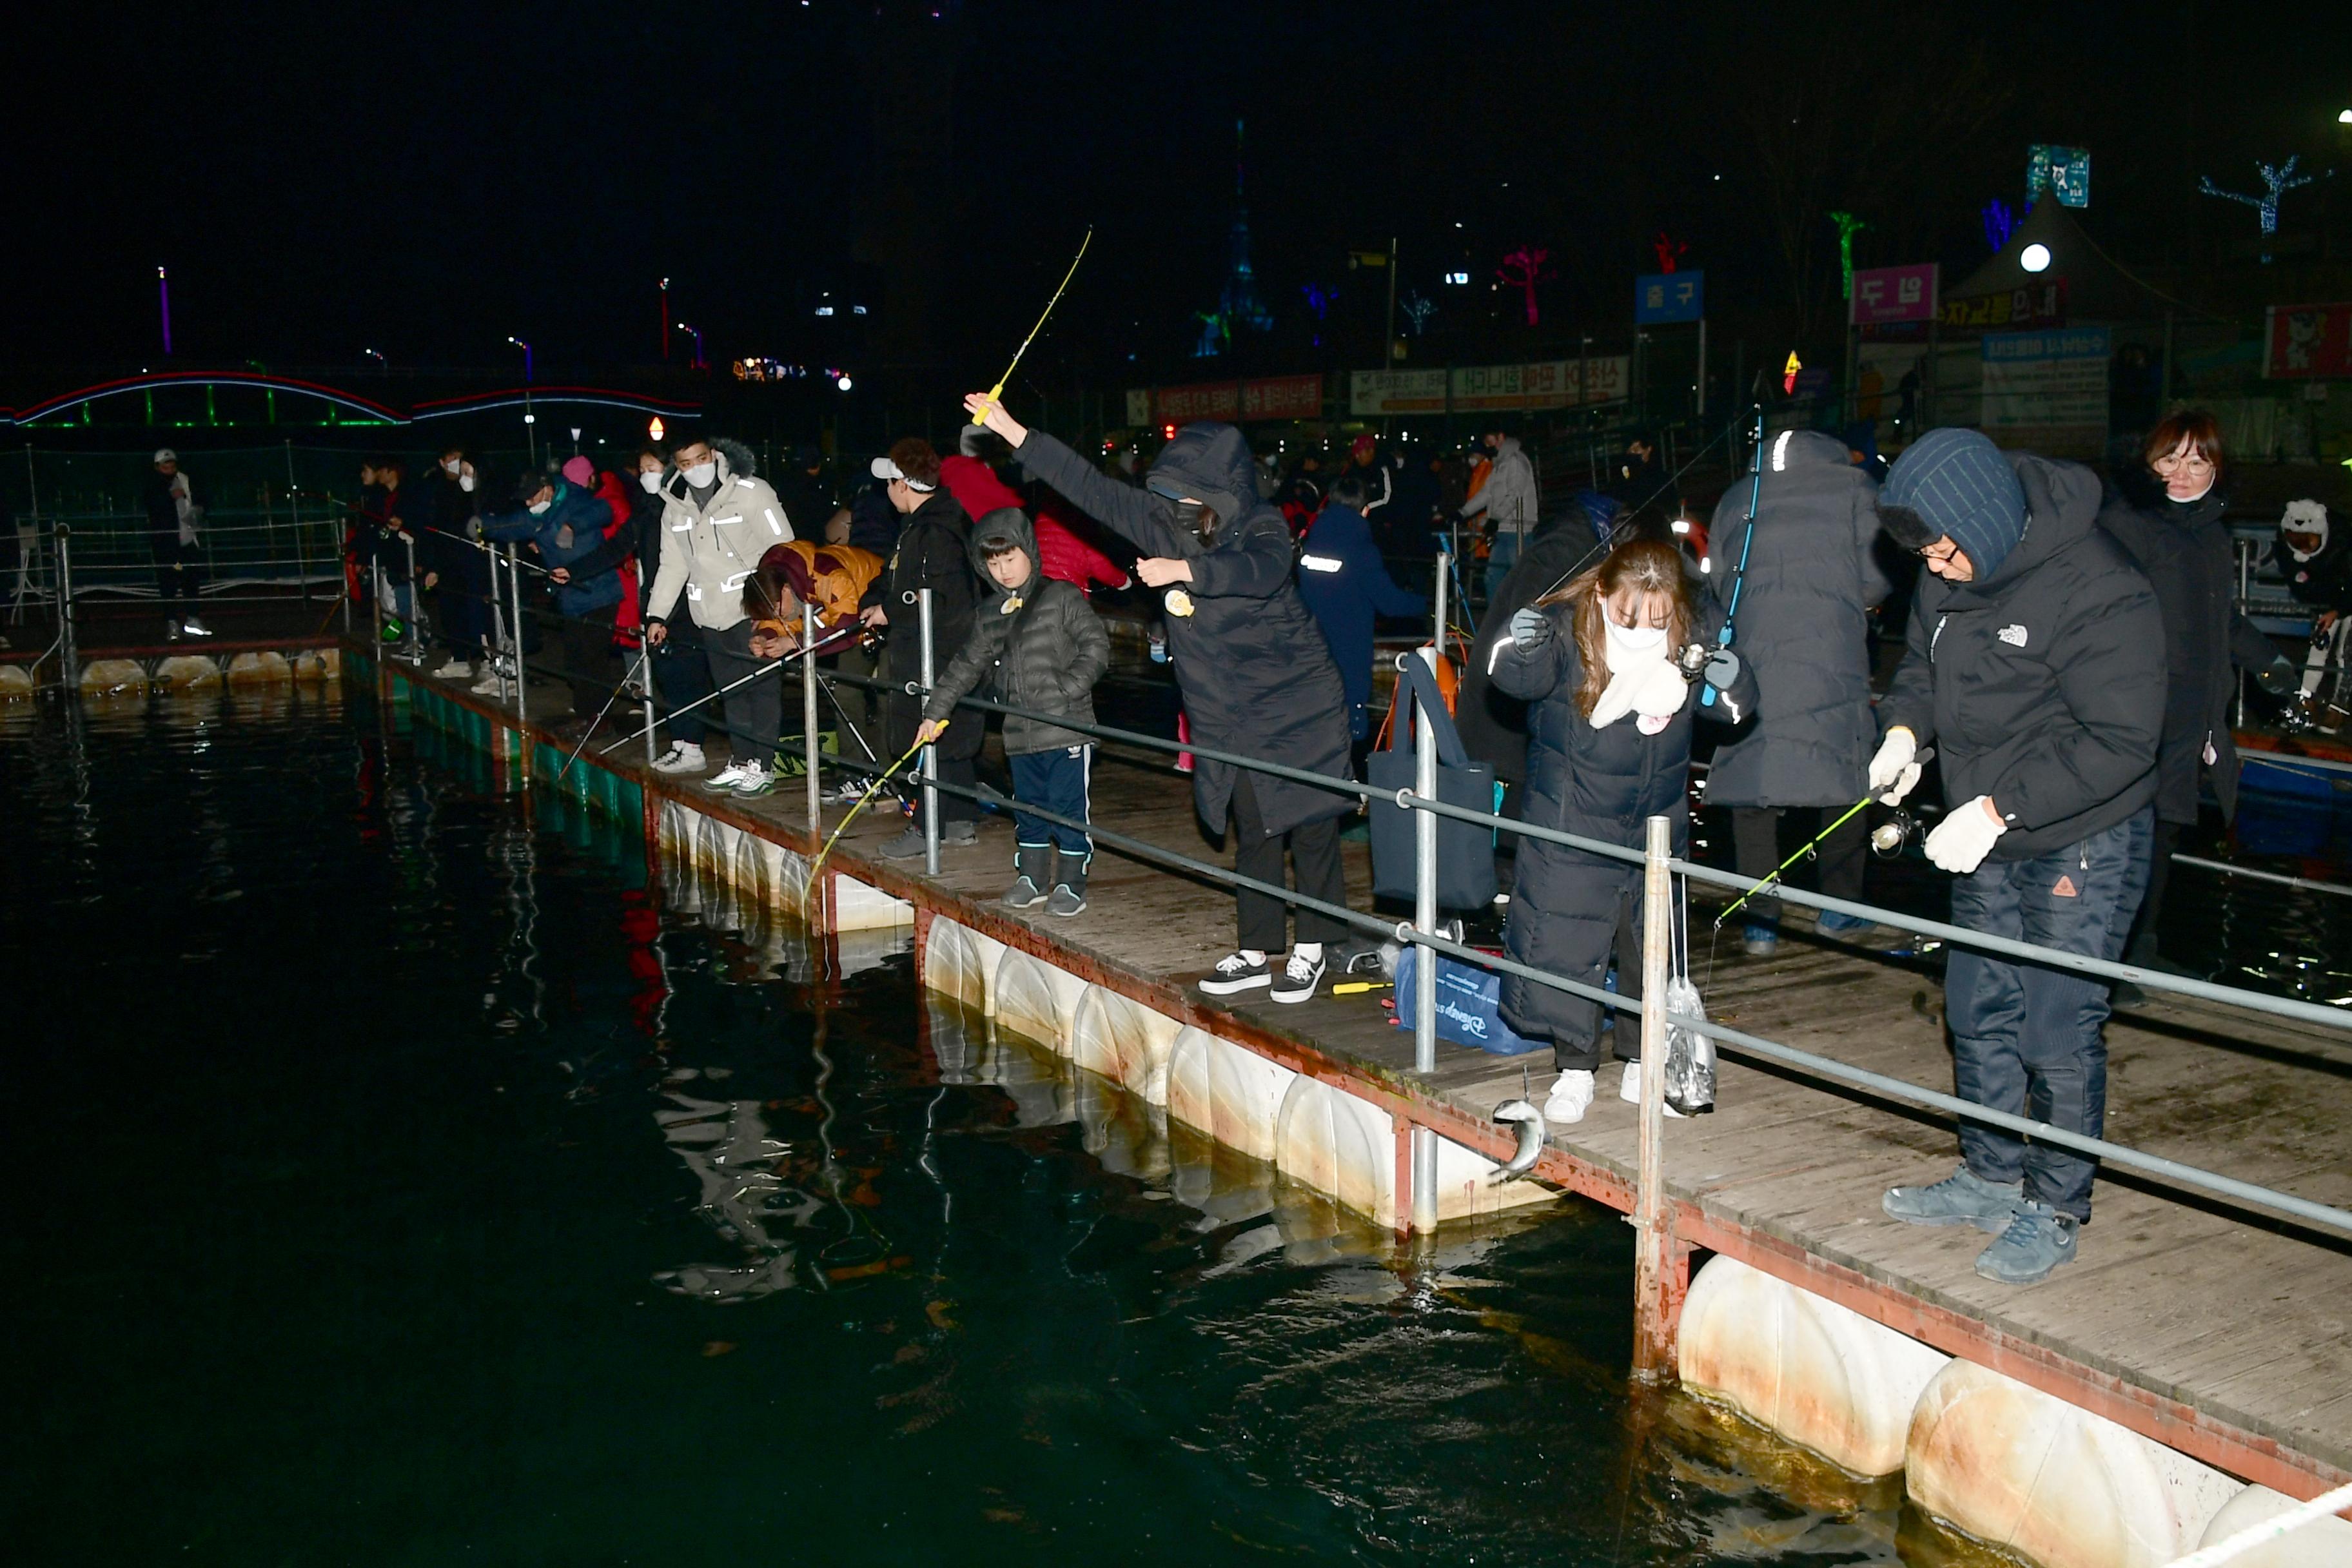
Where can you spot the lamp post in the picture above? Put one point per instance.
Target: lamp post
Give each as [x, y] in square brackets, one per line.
[526, 358]
[382, 364]
[163, 298]
[695, 333]
[665, 320]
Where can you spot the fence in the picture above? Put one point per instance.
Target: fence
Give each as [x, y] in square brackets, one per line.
[1661, 871]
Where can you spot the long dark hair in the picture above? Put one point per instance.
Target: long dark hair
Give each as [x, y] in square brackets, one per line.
[1640, 567]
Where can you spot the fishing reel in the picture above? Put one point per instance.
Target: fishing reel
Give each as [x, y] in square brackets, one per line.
[1887, 839]
[1691, 659]
[871, 640]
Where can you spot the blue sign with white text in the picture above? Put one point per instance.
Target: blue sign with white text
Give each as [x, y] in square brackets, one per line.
[1669, 296]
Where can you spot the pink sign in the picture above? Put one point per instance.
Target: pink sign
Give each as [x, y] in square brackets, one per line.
[1893, 294]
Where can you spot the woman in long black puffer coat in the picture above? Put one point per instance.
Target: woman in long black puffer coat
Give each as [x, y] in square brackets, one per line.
[1609, 713]
[1256, 675]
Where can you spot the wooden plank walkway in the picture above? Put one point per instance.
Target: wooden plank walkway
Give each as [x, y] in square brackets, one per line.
[2219, 1330]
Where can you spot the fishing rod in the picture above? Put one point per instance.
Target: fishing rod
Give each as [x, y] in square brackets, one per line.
[980, 415]
[766, 668]
[1610, 541]
[1925, 756]
[487, 547]
[808, 888]
[1739, 574]
[640, 672]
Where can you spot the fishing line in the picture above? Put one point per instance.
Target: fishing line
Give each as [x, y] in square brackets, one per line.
[641, 674]
[880, 779]
[980, 415]
[1747, 538]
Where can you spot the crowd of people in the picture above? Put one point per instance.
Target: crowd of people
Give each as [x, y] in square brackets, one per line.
[2068, 659]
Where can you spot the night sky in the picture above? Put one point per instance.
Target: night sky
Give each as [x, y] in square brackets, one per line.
[424, 180]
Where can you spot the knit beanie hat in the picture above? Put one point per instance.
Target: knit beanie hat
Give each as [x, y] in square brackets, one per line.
[580, 472]
[1955, 482]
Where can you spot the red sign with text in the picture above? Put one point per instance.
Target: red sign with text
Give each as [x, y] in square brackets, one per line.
[2302, 341]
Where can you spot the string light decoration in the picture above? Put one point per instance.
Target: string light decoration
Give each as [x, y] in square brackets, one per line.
[1417, 308]
[1319, 299]
[2276, 182]
[2000, 223]
[1670, 251]
[1214, 334]
[1848, 226]
[1788, 373]
[1522, 269]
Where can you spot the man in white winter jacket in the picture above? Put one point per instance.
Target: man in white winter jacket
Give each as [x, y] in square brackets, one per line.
[717, 519]
[1510, 501]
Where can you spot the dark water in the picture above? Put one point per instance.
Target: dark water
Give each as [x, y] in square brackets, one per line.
[397, 1178]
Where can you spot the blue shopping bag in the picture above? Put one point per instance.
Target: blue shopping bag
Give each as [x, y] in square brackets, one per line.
[1466, 1005]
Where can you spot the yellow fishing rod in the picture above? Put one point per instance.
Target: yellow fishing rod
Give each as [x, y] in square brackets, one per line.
[808, 892]
[996, 392]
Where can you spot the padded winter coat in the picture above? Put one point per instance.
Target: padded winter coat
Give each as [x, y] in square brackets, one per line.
[1347, 585]
[1599, 784]
[711, 548]
[1257, 677]
[934, 552]
[1812, 570]
[1493, 722]
[586, 518]
[1040, 646]
[2043, 686]
[1509, 497]
[2184, 552]
[839, 575]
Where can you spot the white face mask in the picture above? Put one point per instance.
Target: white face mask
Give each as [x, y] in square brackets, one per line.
[651, 481]
[465, 483]
[538, 507]
[449, 467]
[702, 475]
[1634, 639]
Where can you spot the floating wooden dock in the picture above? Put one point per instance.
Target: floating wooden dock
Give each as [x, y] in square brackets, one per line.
[2223, 1334]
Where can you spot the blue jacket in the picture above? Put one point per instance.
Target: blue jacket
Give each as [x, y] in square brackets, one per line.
[587, 517]
[1346, 584]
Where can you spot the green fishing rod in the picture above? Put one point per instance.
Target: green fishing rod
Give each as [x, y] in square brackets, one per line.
[1814, 843]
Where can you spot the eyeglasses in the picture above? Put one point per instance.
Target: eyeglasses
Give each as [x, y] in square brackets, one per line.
[2193, 464]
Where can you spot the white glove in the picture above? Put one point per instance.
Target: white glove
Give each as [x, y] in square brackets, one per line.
[1964, 837]
[1893, 766]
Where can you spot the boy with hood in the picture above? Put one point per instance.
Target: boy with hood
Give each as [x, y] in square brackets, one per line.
[1044, 648]
[1252, 665]
[718, 518]
[2035, 664]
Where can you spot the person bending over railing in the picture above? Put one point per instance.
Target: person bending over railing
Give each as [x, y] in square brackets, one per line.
[1256, 676]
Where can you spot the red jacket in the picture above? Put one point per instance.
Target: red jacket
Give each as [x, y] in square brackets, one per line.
[614, 491]
[1063, 553]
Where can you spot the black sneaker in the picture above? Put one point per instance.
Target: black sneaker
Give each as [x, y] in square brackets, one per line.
[1065, 902]
[1234, 973]
[1299, 979]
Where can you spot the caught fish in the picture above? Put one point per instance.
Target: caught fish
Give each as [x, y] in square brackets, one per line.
[1529, 1119]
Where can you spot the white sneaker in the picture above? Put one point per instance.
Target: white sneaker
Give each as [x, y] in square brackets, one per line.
[726, 778]
[488, 686]
[1629, 1090]
[196, 629]
[1571, 1097]
[454, 670]
[1300, 978]
[682, 758]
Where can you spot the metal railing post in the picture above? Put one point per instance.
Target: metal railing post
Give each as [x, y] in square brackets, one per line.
[1653, 1355]
[808, 712]
[930, 752]
[376, 592]
[415, 641]
[1425, 919]
[301, 555]
[645, 693]
[68, 643]
[521, 680]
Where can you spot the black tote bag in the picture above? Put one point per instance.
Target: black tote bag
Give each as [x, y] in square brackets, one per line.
[1466, 851]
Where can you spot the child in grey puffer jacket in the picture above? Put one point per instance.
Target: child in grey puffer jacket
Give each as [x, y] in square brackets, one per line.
[1044, 648]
